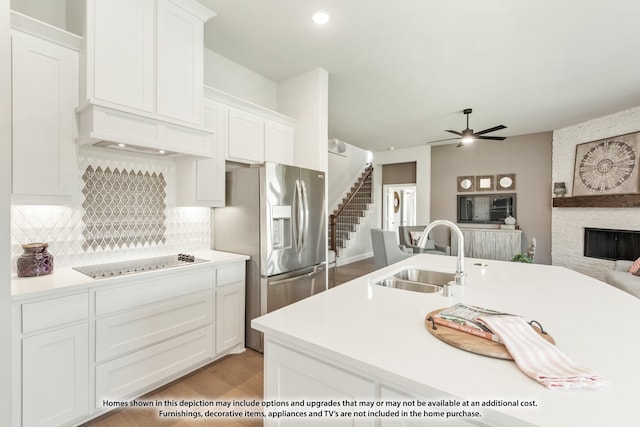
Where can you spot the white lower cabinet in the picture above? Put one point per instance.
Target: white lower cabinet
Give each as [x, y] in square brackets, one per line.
[230, 298]
[291, 375]
[133, 374]
[55, 376]
[390, 394]
[54, 362]
[229, 316]
[132, 330]
[146, 331]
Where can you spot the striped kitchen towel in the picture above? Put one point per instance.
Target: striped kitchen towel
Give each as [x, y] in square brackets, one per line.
[538, 358]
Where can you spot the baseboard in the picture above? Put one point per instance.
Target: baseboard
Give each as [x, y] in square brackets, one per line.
[354, 258]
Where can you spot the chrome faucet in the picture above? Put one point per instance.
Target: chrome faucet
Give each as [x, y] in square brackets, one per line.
[460, 264]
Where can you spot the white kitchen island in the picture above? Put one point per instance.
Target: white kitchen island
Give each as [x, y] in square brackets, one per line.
[360, 341]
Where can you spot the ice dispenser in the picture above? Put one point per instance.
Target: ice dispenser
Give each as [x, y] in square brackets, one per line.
[280, 227]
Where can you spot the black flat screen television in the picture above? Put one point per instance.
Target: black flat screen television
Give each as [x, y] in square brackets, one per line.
[486, 208]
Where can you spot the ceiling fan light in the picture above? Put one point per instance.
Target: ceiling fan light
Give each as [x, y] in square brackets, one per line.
[467, 136]
[467, 139]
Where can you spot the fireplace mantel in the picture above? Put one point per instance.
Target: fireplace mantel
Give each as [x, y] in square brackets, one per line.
[605, 201]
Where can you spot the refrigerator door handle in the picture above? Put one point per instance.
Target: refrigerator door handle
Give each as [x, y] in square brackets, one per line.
[296, 216]
[299, 215]
[305, 215]
[293, 279]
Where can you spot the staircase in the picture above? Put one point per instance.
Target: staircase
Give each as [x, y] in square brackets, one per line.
[353, 208]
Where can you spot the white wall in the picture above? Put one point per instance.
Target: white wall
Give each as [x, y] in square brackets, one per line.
[422, 157]
[5, 198]
[50, 11]
[305, 97]
[343, 171]
[234, 79]
[567, 224]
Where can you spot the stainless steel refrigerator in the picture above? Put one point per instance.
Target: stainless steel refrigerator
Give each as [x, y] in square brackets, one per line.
[276, 214]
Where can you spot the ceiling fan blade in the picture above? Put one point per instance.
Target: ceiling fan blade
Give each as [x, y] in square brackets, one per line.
[441, 140]
[493, 129]
[460, 144]
[493, 138]
[454, 132]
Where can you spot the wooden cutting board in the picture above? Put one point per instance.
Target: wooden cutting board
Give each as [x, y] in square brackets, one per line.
[472, 343]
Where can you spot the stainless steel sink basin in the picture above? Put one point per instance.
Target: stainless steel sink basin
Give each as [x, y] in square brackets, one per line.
[393, 282]
[426, 276]
[417, 280]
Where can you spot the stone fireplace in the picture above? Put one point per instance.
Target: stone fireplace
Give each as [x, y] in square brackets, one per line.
[568, 223]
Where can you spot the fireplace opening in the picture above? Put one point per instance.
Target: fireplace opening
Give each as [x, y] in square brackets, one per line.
[611, 244]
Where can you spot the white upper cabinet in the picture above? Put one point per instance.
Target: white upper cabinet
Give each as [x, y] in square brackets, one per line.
[278, 143]
[202, 182]
[253, 134]
[245, 137]
[45, 94]
[144, 75]
[180, 68]
[121, 44]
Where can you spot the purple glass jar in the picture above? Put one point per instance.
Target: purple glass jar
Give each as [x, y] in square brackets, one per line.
[35, 261]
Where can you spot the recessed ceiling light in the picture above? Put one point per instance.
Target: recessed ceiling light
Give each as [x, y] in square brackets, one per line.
[321, 17]
[392, 148]
[121, 145]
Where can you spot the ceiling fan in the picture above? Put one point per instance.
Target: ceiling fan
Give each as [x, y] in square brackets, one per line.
[467, 136]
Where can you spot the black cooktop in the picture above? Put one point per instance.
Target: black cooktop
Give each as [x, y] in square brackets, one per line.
[102, 271]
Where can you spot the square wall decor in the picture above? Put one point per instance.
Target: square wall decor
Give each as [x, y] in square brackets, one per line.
[607, 166]
[485, 183]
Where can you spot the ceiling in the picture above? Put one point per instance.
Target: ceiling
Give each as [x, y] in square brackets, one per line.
[400, 73]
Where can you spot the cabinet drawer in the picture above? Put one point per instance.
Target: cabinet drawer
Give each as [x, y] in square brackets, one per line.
[136, 373]
[231, 273]
[139, 292]
[125, 332]
[54, 312]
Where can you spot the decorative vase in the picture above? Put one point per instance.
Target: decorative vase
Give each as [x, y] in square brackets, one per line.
[35, 260]
[510, 220]
[559, 189]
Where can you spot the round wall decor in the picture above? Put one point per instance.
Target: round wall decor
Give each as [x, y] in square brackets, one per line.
[607, 165]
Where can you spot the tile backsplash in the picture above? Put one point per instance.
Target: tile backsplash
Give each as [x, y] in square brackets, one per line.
[125, 209]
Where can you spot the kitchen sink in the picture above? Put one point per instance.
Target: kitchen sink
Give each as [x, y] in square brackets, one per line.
[429, 277]
[418, 280]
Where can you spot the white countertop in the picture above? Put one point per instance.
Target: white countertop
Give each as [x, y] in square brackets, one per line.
[381, 330]
[67, 279]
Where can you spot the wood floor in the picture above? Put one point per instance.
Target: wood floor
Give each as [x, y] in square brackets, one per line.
[234, 377]
[351, 271]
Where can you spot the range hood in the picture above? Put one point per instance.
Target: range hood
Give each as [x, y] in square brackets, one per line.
[142, 78]
[120, 146]
[101, 125]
